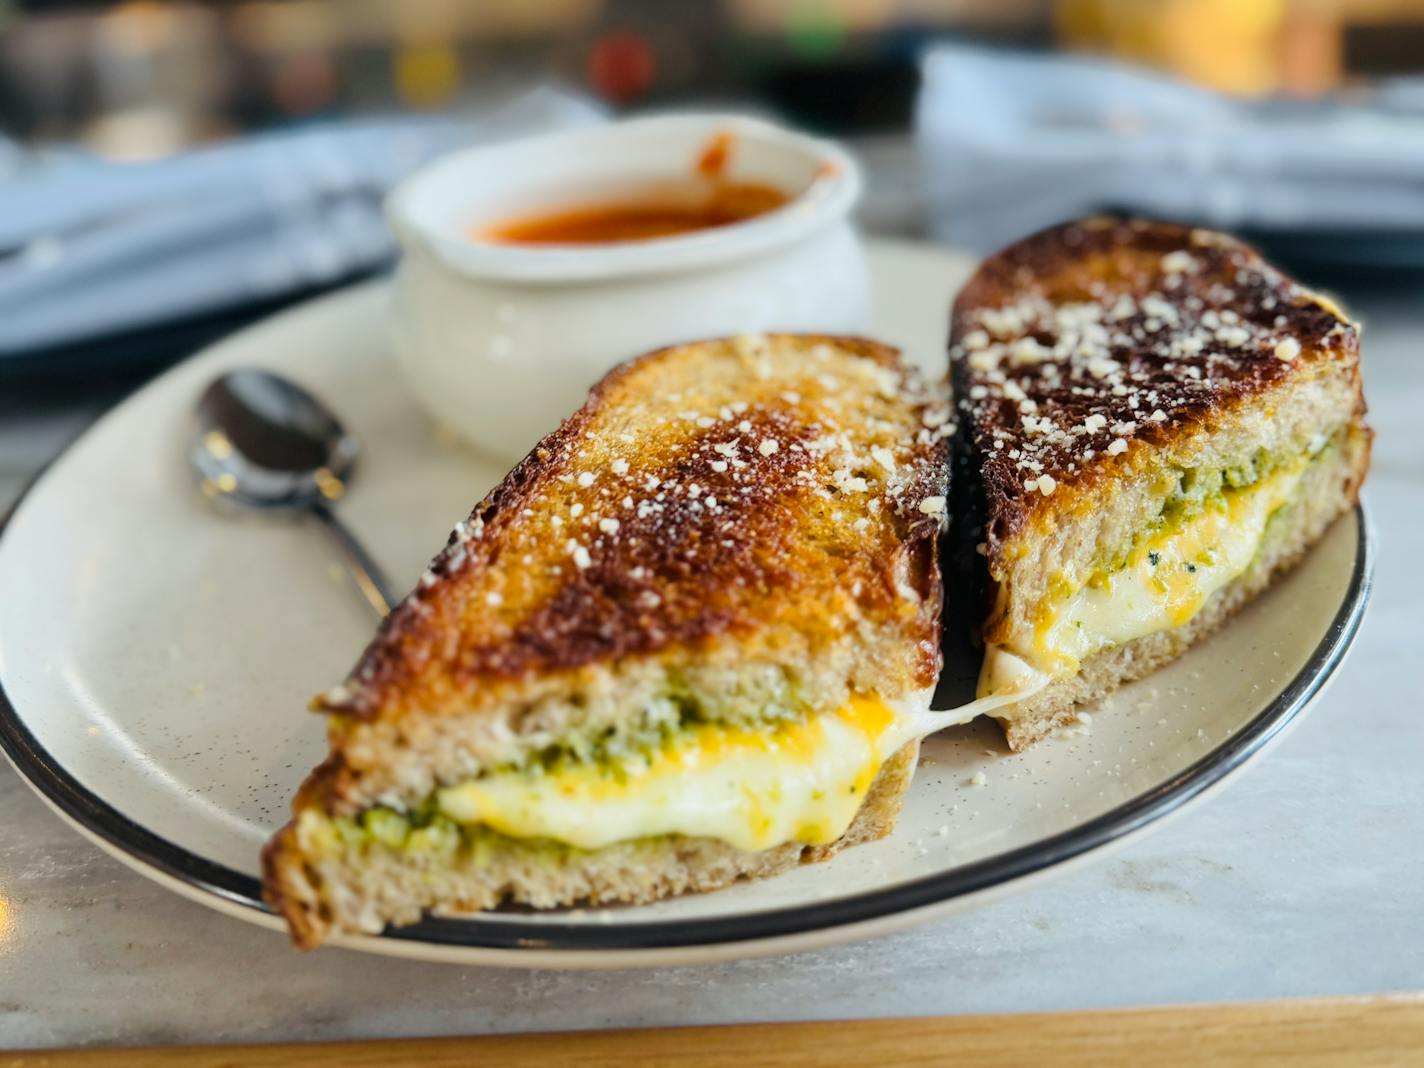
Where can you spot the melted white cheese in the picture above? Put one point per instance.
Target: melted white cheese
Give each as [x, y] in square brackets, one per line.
[754, 789]
[1163, 584]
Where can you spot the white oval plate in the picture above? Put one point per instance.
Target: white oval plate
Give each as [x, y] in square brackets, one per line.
[155, 660]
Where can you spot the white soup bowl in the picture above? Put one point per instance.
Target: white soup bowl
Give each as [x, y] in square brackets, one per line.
[500, 341]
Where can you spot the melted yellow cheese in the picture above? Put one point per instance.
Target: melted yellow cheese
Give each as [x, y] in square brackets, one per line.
[1168, 577]
[1162, 585]
[797, 782]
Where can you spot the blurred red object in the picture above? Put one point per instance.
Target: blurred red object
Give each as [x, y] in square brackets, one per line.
[621, 66]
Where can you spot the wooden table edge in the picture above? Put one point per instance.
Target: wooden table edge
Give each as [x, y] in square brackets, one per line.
[1386, 1029]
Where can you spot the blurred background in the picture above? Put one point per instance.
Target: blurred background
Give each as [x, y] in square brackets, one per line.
[144, 78]
[170, 169]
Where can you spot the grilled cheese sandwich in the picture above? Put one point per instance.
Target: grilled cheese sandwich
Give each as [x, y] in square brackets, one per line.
[690, 639]
[1159, 422]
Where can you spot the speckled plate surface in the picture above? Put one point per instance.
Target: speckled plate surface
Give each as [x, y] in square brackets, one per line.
[155, 659]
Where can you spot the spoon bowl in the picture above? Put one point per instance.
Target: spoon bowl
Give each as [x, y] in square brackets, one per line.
[261, 442]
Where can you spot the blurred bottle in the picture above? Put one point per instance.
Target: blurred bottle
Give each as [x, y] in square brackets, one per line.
[1231, 45]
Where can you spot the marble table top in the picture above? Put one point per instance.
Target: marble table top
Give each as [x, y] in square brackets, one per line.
[1304, 878]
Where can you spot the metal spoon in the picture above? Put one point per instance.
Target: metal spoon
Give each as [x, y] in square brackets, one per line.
[263, 442]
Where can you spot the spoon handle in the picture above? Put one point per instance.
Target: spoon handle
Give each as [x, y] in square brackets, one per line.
[366, 573]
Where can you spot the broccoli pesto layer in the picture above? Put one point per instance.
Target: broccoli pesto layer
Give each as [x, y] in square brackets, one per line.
[1210, 533]
[770, 700]
[795, 779]
[423, 831]
[1196, 490]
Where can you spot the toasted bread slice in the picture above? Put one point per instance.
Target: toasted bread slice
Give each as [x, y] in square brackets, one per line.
[725, 560]
[1160, 422]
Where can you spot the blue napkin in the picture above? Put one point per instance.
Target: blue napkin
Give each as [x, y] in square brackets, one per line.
[89, 248]
[1010, 143]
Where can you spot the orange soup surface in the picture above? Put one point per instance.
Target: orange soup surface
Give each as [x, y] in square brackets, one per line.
[641, 219]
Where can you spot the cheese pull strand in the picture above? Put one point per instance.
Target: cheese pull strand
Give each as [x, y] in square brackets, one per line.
[1005, 679]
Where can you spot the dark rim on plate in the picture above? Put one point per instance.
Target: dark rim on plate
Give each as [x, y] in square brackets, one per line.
[86, 808]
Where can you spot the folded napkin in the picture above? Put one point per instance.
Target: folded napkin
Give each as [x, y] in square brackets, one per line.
[89, 248]
[1010, 143]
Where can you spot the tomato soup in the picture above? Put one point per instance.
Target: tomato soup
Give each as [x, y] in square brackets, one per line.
[708, 204]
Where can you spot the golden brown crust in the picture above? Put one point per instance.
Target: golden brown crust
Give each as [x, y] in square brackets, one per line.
[725, 487]
[1073, 346]
[282, 860]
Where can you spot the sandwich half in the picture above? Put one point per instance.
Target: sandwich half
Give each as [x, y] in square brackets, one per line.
[1157, 423]
[691, 638]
